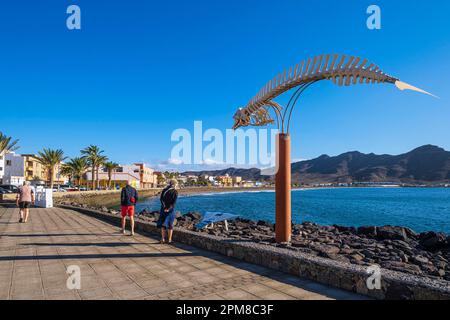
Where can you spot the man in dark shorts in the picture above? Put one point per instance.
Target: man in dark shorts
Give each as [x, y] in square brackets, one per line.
[128, 200]
[24, 200]
[168, 199]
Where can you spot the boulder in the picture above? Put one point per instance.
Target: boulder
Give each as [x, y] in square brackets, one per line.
[194, 216]
[325, 249]
[391, 233]
[367, 231]
[262, 223]
[411, 234]
[402, 267]
[432, 240]
[420, 260]
[357, 257]
[344, 229]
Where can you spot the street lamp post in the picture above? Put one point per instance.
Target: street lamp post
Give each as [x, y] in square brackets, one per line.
[340, 69]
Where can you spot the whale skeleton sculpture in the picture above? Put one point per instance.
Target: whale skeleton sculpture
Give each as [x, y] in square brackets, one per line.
[340, 69]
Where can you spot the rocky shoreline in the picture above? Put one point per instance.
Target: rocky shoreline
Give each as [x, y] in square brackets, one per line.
[395, 248]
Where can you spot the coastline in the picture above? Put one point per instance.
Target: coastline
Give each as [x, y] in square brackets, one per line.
[211, 190]
[425, 255]
[398, 248]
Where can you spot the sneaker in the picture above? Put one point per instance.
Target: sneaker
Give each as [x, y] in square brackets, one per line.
[124, 232]
[20, 220]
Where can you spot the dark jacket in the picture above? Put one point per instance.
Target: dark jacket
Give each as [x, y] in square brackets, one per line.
[128, 194]
[169, 197]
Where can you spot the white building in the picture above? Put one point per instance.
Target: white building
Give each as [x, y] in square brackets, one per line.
[123, 174]
[2, 167]
[14, 168]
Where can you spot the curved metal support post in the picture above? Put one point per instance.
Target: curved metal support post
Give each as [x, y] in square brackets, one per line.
[293, 105]
[277, 108]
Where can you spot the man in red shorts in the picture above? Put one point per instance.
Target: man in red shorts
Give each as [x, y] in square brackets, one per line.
[128, 200]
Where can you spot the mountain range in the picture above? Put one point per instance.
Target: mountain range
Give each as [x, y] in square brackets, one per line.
[426, 164]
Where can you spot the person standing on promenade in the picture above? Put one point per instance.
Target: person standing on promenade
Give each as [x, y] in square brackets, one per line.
[128, 200]
[24, 199]
[168, 199]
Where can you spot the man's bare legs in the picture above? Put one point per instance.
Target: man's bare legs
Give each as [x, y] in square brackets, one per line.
[27, 212]
[132, 225]
[123, 224]
[170, 232]
[163, 234]
[21, 215]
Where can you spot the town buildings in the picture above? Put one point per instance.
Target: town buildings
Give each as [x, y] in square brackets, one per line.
[2, 167]
[147, 176]
[225, 180]
[25, 167]
[137, 175]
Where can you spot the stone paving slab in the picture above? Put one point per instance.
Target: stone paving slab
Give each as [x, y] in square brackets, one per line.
[34, 258]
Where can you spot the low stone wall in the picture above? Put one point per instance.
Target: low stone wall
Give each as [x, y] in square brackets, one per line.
[111, 198]
[98, 198]
[394, 285]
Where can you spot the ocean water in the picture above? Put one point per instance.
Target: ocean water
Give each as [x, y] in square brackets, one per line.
[421, 209]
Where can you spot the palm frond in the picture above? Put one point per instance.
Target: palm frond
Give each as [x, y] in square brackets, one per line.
[7, 144]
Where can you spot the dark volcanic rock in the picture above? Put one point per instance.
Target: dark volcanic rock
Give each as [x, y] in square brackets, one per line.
[411, 234]
[391, 233]
[432, 240]
[324, 249]
[395, 248]
[264, 224]
[194, 216]
[345, 229]
[402, 267]
[368, 231]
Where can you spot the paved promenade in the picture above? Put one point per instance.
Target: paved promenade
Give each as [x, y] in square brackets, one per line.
[34, 258]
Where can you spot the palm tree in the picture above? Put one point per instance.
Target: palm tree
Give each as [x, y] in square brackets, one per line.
[66, 171]
[77, 168]
[50, 159]
[93, 155]
[101, 162]
[7, 144]
[110, 168]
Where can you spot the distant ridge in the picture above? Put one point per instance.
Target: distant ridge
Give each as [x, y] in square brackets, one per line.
[426, 164]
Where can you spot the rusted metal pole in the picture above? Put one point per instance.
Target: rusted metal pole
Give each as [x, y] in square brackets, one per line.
[283, 189]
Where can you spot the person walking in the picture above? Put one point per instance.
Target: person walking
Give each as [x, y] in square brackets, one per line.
[128, 199]
[24, 199]
[166, 219]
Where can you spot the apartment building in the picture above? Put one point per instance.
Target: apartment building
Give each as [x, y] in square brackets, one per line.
[33, 169]
[14, 170]
[137, 175]
[19, 168]
[237, 180]
[225, 180]
[148, 177]
[2, 167]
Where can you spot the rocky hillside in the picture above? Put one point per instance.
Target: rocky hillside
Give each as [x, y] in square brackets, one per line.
[422, 165]
[427, 164]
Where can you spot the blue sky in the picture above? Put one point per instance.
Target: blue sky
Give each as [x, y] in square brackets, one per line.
[140, 69]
